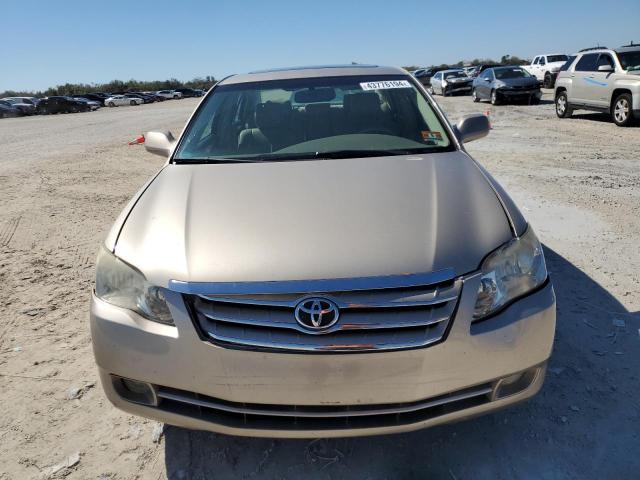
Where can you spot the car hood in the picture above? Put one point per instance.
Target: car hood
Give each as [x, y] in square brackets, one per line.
[520, 82]
[320, 219]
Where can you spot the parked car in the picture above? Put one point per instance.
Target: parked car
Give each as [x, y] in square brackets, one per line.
[546, 67]
[7, 110]
[155, 96]
[424, 76]
[119, 100]
[169, 94]
[29, 100]
[94, 97]
[481, 68]
[93, 105]
[506, 84]
[24, 107]
[188, 92]
[144, 98]
[61, 104]
[602, 80]
[449, 82]
[423, 298]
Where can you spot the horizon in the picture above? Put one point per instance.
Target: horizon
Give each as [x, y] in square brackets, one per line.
[159, 40]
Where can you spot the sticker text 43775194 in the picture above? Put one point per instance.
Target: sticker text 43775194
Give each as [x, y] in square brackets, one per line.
[385, 85]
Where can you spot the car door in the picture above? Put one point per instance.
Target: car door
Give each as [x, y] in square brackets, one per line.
[484, 85]
[602, 83]
[542, 68]
[535, 67]
[436, 83]
[583, 82]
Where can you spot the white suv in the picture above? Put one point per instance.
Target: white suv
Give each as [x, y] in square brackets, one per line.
[603, 80]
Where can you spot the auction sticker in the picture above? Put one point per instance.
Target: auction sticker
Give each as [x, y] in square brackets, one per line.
[385, 85]
[429, 135]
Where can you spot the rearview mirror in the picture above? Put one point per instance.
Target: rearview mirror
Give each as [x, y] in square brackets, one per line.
[159, 143]
[472, 127]
[605, 68]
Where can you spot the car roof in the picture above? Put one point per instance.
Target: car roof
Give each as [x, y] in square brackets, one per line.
[628, 48]
[313, 72]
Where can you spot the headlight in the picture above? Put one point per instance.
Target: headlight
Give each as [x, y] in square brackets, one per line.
[510, 272]
[122, 285]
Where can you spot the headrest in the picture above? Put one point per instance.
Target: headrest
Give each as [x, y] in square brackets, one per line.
[272, 114]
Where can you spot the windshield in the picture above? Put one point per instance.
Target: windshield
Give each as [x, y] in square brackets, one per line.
[629, 60]
[326, 117]
[504, 73]
[556, 58]
[458, 74]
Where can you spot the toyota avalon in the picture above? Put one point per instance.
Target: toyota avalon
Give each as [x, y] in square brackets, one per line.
[320, 257]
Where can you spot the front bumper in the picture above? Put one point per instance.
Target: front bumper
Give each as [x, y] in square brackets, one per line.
[453, 88]
[179, 365]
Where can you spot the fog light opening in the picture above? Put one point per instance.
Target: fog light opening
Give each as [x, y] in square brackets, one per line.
[135, 391]
[514, 384]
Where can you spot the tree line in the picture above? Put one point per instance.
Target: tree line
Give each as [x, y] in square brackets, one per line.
[115, 86]
[504, 60]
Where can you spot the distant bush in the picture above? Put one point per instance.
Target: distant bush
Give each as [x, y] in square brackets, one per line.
[115, 86]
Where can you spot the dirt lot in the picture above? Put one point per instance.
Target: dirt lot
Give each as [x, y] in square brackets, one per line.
[63, 180]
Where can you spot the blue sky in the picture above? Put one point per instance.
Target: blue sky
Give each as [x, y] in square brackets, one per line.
[45, 43]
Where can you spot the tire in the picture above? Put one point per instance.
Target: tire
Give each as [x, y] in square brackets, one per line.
[111, 104]
[495, 99]
[474, 95]
[621, 110]
[563, 108]
[133, 103]
[548, 81]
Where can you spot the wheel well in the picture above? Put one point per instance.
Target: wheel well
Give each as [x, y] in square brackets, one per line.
[616, 92]
[560, 90]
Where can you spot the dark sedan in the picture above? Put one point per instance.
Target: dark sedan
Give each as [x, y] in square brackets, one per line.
[504, 84]
[60, 104]
[25, 108]
[7, 110]
[424, 75]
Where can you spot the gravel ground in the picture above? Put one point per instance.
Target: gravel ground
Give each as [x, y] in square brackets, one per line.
[63, 180]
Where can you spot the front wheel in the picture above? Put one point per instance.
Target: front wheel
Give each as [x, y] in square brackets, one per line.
[474, 95]
[111, 104]
[621, 110]
[495, 100]
[132, 103]
[563, 109]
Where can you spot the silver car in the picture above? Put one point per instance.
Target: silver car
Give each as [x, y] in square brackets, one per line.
[320, 257]
[449, 82]
[601, 80]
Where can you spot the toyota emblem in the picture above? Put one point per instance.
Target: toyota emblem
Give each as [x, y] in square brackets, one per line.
[317, 313]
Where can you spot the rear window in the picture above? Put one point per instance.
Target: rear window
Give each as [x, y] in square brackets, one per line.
[327, 117]
[556, 58]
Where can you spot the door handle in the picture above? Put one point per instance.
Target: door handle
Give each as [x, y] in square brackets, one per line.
[573, 75]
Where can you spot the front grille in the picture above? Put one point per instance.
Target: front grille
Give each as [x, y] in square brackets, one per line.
[317, 417]
[370, 320]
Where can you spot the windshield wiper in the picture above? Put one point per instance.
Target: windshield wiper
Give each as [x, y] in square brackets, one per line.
[216, 160]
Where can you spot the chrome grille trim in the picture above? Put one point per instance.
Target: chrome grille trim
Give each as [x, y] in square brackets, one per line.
[372, 320]
[304, 411]
[314, 285]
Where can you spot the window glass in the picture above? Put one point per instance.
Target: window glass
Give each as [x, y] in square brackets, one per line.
[339, 117]
[568, 63]
[587, 63]
[557, 58]
[630, 61]
[515, 72]
[606, 60]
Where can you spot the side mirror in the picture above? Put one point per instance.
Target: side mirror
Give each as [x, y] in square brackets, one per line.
[472, 127]
[605, 68]
[159, 143]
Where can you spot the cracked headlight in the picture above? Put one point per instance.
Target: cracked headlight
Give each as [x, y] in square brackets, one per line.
[122, 285]
[510, 272]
